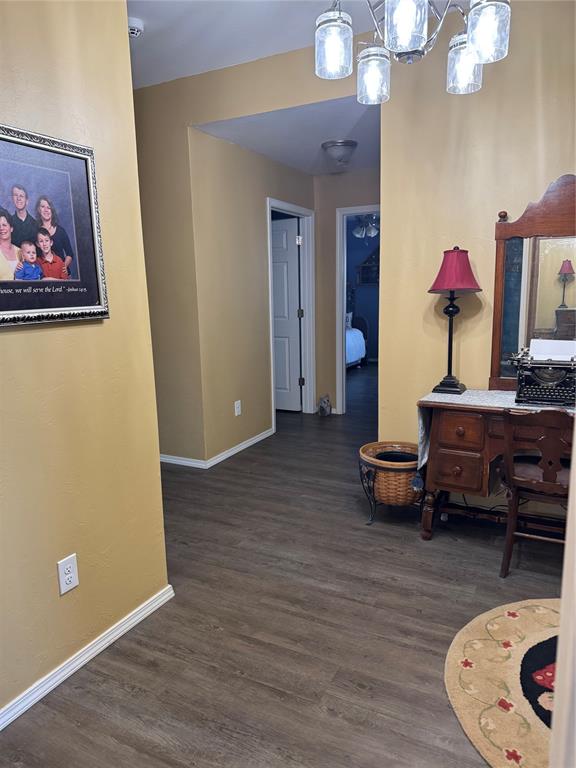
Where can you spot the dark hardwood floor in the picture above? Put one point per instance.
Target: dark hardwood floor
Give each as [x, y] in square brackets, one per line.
[299, 637]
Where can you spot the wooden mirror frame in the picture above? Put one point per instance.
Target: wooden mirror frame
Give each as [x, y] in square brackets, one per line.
[553, 216]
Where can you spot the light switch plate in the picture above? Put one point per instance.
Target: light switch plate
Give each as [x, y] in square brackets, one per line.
[68, 573]
[237, 407]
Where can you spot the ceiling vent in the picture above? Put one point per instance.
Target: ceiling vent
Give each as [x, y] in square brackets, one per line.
[135, 27]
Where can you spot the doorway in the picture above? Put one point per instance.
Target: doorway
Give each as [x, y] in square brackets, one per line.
[292, 301]
[357, 293]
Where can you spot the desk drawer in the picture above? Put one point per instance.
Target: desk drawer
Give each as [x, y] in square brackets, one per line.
[525, 434]
[461, 430]
[454, 469]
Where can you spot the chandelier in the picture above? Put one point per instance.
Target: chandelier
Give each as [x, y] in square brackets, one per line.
[367, 226]
[401, 32]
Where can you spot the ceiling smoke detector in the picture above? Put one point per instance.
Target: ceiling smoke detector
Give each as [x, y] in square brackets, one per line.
[340, 151]
[135, 27]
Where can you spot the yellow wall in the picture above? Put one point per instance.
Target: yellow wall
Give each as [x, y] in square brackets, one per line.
[229, 190]
[79, 469]
[277, 82]
[166, 196]
[331, 192]
[449, 164]
[226, 299]
[196, 388]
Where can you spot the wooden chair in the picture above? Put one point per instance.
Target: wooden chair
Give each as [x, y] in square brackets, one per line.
[536, 467]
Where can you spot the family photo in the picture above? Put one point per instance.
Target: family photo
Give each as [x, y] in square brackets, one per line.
[50, 253]
[32, 247]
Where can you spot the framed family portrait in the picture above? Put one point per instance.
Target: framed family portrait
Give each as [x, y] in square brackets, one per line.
[51, 265]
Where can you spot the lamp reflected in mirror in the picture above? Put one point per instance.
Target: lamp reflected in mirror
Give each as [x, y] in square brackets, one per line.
[566, 274]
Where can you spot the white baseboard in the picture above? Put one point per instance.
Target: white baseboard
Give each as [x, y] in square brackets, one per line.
[41, 687]
[207, 463]
[183, 461]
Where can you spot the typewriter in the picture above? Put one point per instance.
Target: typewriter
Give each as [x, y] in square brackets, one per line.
[546, 380]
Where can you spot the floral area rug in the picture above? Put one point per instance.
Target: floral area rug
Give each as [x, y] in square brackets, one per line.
[499, 676]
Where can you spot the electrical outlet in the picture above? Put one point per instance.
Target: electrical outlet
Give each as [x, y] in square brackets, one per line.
[68, 573]
[237, 407]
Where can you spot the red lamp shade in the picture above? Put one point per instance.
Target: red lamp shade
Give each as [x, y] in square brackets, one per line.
[455, 274]
[566, 268]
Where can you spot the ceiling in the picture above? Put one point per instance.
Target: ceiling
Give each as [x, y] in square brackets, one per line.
[293, 136]
[187, 37]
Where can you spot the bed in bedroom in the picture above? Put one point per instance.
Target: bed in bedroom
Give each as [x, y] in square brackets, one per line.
[356, 338]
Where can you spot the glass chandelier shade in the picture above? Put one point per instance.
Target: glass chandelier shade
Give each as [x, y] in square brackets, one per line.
[406, 25]
[371, 230]
[373, 85]
[489, 29]
[334, 45]
[368, 226]
[464, 72]
[401, 34]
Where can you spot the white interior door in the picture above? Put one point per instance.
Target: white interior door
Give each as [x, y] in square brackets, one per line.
[286, 303]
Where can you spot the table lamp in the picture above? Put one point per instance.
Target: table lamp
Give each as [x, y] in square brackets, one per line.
[565, 274]
[455, 275]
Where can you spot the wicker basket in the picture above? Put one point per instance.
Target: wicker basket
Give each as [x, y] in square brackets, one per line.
[393, 475]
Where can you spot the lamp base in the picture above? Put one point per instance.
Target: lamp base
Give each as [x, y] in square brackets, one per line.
[450, 386]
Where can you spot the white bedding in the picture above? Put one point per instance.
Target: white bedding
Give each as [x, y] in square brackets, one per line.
[355, 346]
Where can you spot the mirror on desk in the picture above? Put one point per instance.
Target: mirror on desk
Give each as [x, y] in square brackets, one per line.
[535, 285]
[539, 293]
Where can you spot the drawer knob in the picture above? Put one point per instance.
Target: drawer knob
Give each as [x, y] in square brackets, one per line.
[457, 471]
[460, 431]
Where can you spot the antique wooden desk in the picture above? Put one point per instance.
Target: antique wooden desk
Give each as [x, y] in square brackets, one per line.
[461, 439]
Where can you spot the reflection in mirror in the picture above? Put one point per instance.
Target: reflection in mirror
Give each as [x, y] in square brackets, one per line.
[552, 313]
[539, 294]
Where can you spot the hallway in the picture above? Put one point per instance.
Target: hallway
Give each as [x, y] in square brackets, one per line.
[298, 636]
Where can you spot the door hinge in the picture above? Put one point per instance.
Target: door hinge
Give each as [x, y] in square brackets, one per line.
[300, 313]
[301, 381]
[299, 240]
